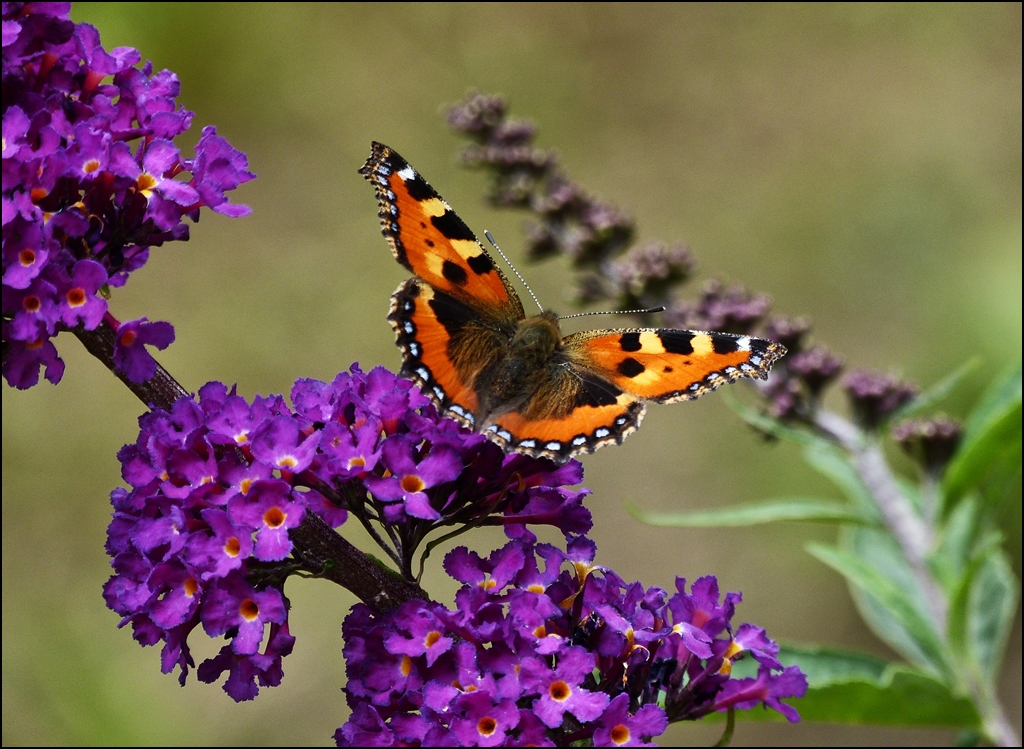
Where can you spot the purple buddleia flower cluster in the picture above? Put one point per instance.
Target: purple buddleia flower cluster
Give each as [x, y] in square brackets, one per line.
[91, 181]
[546, 648]
[201, 536]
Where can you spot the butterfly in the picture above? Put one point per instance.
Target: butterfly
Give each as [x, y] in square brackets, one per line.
[467, 342]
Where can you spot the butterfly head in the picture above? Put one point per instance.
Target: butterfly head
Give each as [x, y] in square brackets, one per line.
[537, 338]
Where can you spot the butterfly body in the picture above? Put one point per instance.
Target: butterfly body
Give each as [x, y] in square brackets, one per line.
[468, 343]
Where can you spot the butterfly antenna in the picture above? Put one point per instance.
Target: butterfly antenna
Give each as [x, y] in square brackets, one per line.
[509, 264]
[617, 312]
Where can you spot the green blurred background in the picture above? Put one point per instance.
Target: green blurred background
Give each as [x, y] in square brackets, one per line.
[861, 164]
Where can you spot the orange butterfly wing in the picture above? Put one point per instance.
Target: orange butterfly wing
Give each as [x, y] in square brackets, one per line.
[595, 392]
[666, 366]
[445, 346]
[428, 238]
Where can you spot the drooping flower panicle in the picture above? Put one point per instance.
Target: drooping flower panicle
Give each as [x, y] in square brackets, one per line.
[92, 180]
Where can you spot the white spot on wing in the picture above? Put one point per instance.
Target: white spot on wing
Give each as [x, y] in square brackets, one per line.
[581, 440]
[602, 432]
[553, 446]
[744, 343]
[408, 174]
[528, 443]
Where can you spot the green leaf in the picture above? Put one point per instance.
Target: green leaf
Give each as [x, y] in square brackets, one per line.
[1004, 389]
[831, 462]
[886, 594]
[993, 605]
[768, 511]
[950, 559]
[990, 453]
[962, 595]
[937, 392]
[858, 689]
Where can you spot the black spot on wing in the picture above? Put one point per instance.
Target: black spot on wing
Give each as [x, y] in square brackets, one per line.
[452, 226]
[452, 314]
[630, 341]
[630, 367]
[723, 344]
[419, 189]
[676, 341]
[596, 391]
[759, 345]
[454, 273]
[480, 264]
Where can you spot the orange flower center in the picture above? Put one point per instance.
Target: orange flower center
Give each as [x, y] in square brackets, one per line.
[431, 638]
[146, 182]
[559, 691]
[487, 726]
[191, 587]
[233, 547]
[274, 517]
[406, 666]
[249, 609]
[32, 303]
[287, 461]
[412, 484]
[620, 734]
[243, 486]
[128, 338]
[76, 297]
[26, 257]
[90, 166]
